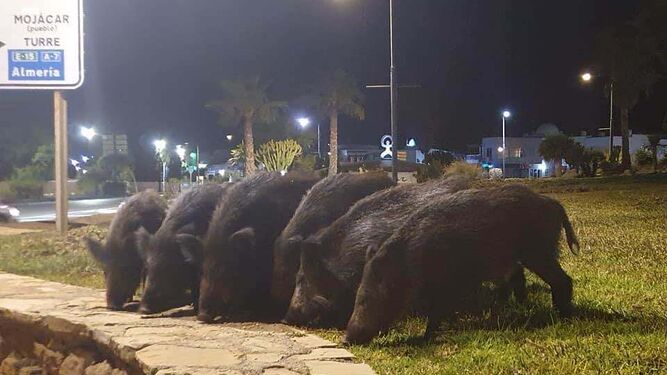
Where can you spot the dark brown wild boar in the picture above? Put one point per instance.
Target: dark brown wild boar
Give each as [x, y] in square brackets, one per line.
[173, 254]
[328, 200]
[450, 246]
[238, 249]
[332, 261]
[119, 256]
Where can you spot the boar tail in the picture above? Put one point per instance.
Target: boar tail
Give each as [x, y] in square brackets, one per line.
[572, 241]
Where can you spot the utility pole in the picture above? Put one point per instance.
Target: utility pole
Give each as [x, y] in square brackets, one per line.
[60, 127]
[611, 119]
[394, 97]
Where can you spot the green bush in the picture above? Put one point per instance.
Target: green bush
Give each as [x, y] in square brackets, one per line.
[429, 171]
[644, 157]
[461, 168]
[305, 163]
[610, 168]
[7, 194]
[27, 188]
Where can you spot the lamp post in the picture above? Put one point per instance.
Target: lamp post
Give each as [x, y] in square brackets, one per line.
[587, 78]
[506, 115]
[160, 146]
[304, 122]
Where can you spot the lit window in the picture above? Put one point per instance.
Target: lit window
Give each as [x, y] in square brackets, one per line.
[517, 152]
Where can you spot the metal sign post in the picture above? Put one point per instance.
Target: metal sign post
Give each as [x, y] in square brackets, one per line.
[60, 127]
[41, 48]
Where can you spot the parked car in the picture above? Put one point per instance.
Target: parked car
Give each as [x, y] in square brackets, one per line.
[8, 213]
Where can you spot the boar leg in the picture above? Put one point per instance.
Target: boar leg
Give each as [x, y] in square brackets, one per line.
[561, 284]
[518, 284]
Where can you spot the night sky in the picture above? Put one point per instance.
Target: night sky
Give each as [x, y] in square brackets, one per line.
[152, 64]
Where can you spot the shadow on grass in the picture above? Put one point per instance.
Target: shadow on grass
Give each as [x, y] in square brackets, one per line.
[515, 321]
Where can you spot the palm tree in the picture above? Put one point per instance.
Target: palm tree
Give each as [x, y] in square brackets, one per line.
[554, 147]
[245, 101]
[632, 63]
[337, 94]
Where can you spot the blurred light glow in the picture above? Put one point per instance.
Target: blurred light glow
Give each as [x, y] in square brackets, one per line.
[202, 165]
[180, 151]
[507, 114]
[586, 77]
[412, 142]
[221, 172]
[500, 149]
[283, 172]
[85, 158]
[88, 133]
[229, 137]
[303, 121]
[160, 145]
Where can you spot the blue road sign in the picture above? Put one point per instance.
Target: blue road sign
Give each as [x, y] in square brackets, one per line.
[36, 65]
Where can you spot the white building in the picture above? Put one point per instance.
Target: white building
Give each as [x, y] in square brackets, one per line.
[523, 159]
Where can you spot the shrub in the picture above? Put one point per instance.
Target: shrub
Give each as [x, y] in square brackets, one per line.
[27, 188]
[278, 155]
[7, 194]
[610, 168]
[114, 189]
[305, 163]
[461, 168]
[644, 157]
[429, 171]
[443, 157]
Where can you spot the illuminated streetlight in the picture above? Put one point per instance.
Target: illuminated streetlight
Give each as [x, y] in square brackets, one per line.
[506, 115]
[180, 151]
[304, 122]
[160, 145]
[587, 78]
[229, 137]
[88, 133]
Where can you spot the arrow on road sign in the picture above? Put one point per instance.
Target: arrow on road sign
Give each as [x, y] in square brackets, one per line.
[2, 44]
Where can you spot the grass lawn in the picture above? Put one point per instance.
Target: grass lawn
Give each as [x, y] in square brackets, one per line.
[620, 282]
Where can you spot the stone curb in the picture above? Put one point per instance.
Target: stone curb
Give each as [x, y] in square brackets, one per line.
[169, 346]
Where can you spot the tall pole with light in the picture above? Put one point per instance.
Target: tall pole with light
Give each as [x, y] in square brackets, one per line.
[304, 122]
[587, 78]
[506, 115]
[394, 95]
[160, 146]
[89, 134]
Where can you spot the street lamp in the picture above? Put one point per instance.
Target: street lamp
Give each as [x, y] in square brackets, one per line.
[160, 145]
[506, 115]
[180, 151]
[587, 78]
[393, 88]
[229, 137]
[88, 133]
[304, 122]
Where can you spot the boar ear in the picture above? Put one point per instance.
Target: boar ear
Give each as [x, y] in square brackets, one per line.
[142, 239]
[96, 249]
[370, 252]
[191, 248]
[243, 240]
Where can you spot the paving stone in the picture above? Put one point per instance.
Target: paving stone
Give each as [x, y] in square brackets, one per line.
[326, 354]
[32, 370]
[279, 371]
[162, 345]
[338, 368]
[157, 356]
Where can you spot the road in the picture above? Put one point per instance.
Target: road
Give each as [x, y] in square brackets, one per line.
[45, 211]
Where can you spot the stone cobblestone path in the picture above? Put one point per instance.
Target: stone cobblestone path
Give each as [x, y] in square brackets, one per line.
[165, 345]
